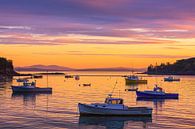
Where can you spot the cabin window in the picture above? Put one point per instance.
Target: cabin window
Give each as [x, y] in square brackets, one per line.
[114, 101]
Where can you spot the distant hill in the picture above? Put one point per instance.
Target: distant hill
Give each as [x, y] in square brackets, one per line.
[62, 68]
[43, 68]
[180, 67]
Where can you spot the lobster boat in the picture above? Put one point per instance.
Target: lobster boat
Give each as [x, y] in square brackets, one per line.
[156, 93]
[113, 107]
[30, 87]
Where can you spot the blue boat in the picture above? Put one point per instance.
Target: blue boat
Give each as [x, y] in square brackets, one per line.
[171, 79]
[157, 93]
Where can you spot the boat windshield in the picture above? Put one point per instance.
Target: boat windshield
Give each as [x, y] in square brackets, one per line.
[29, 84]
[114, 101]
[157, 88]
[170, 77]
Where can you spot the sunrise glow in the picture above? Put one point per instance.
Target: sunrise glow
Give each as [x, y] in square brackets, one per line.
[91, 34]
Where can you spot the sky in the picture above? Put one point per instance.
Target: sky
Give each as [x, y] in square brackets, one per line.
[96, 33]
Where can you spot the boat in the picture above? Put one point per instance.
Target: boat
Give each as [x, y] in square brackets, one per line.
[113, 107]
[77, 77]
[37, 76]
[171, 78]
[156, 93]
[87, 84]
[133, 79]
[29, 87]
[68, 76]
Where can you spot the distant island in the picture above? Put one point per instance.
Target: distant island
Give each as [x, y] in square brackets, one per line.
[38, 68]
[6, 69]
[180, 67]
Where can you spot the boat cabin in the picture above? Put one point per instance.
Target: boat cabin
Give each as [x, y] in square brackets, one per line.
[110, 100]
[133, 77]
[31, 84]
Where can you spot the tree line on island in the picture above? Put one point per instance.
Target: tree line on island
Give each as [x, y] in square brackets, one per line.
[6, 69]
[180, 67]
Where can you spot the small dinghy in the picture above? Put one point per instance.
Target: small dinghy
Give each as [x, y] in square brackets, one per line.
[68, 76]
[113, 107]
[37, 76]
[157, 93]
[77, 77]
[87, 84]
[30, 87]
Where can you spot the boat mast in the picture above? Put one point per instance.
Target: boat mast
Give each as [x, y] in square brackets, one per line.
[114, 87]
[47, 79]
[156, 74]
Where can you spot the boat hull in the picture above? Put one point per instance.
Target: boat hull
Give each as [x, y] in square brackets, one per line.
[19, 89]
[171, 80]
[128, 82]
[142, 94]
[87, 110]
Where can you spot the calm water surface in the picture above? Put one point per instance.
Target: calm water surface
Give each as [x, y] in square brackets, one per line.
[59, 109]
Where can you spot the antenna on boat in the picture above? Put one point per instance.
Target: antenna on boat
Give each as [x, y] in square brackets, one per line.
[156, 73]
[114, 88]
[119, 93]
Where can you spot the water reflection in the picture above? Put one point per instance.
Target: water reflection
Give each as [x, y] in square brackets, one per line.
[158, 103]
[112, 122]
[131, 87]
[28, 98]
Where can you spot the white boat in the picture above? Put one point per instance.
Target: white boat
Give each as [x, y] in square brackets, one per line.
[133, 79]
[30, 87]
[113, 107]
[171, 78]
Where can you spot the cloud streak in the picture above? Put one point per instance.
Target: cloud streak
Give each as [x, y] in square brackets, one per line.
[131, 55]
[144, 21]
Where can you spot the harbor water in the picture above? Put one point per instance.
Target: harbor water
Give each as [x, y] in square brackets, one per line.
[59, 109]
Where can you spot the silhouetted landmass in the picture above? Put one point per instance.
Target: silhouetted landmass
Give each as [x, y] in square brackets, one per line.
[62, 68]
[6, 69]
[180, 67]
